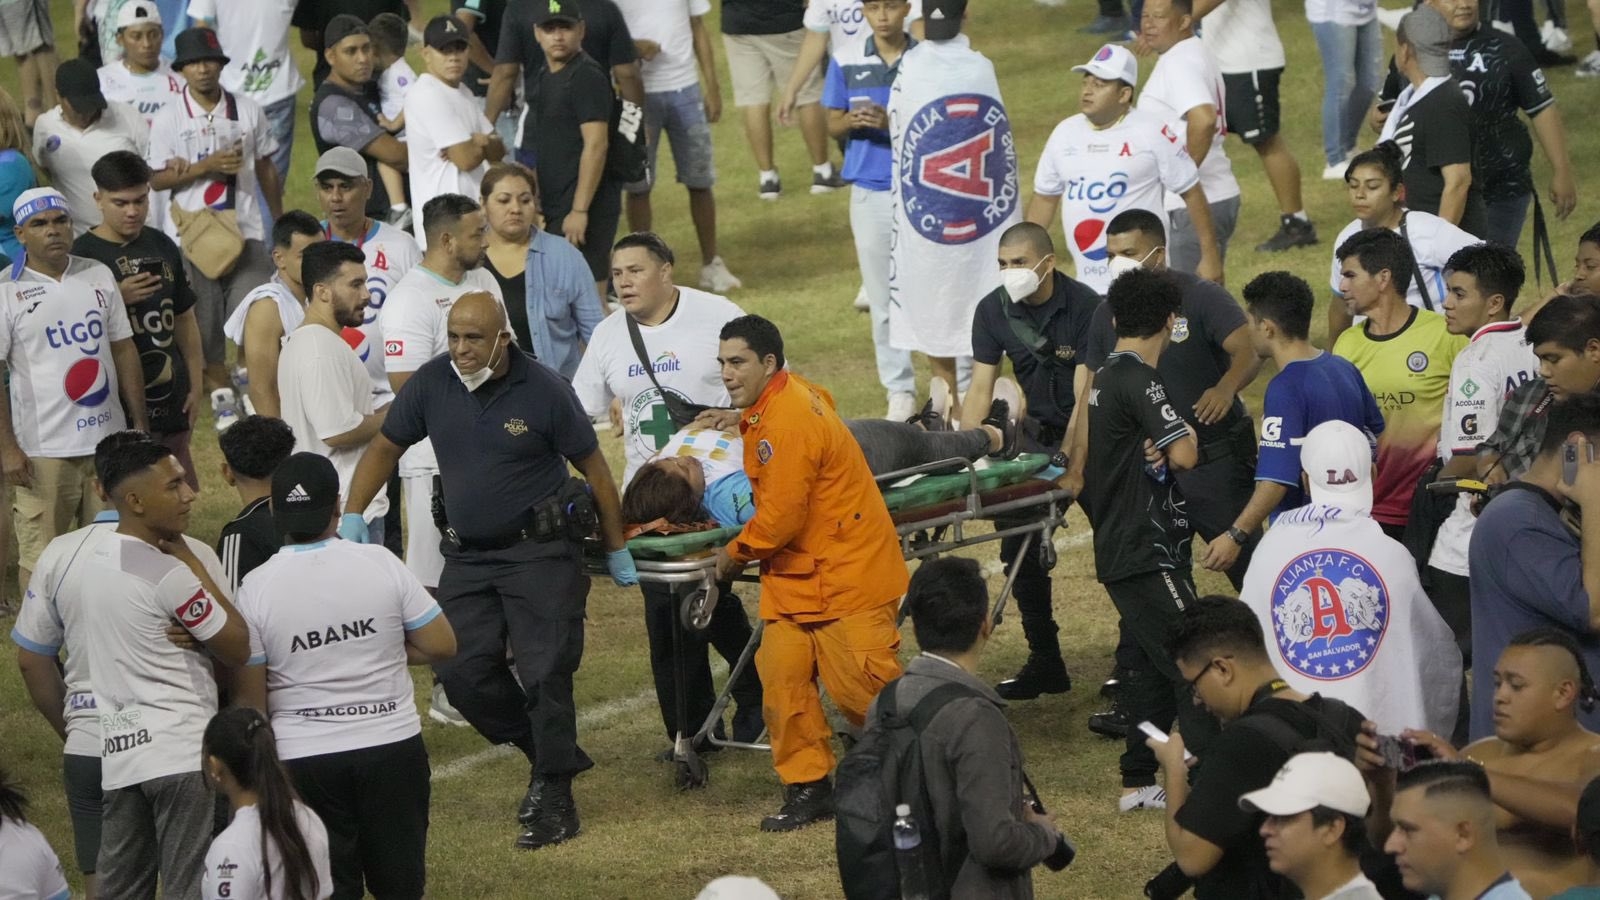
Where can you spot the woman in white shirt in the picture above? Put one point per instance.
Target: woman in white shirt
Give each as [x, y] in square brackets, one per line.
[1377, 196]
[29, 869]
[275, 847]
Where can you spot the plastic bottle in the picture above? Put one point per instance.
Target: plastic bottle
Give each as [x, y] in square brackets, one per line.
[907, 855]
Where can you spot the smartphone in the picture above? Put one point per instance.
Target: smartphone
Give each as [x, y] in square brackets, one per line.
[859, 103]
[1458, 486]
[1160, 736]
[1569, 461]
[1401, 755]
[1385, 105]
[151, 265]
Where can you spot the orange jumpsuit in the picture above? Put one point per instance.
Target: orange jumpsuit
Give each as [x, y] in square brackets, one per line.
[831, 572]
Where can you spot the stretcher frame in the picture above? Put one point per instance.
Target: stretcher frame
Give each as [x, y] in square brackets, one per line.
[1032, 508]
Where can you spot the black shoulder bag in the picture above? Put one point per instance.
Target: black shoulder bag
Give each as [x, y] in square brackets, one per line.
[1416, 270]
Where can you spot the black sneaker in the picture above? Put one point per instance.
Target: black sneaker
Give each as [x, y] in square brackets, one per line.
[803, 804]
[827, 184]
[558, 818]
[1293, 231]
[1106, 25]
[748, 724]
[770, 188]
[1000, 417]
[1039, 675]
[530, 807]
[1546, 57]
[1113, 723]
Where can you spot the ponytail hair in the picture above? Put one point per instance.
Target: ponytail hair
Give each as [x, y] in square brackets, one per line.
[13, 802]
[1387, 156]
[243, 740]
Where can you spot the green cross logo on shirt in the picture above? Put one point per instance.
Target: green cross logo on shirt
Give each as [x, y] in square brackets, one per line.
[659, 426]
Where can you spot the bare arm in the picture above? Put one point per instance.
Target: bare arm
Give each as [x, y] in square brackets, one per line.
[1043, 209]
[271, 185]
[41, 675]
[1183, 454]
[390, 150]
[373, 472]
[705, 54]
[17, 468]
[263, 341]
[838, 124]
[630, 83]
[130, 382]
[597, 472]
[361, 434]
[1243, 365]
[1194, 854]
[397, 380]
[1457, 183]
[1200, 129]
[169, 178]
[1552, 135]
[477, 53]
[194, 361]
[1194, 200]
[1077, 436]
[502, 88]
[812, 51]
[433, 642]
[467, 155]
[591, 165]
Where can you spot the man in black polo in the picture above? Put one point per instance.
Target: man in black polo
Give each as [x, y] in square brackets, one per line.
[344, 111]
[504, 427]
[1039, 320]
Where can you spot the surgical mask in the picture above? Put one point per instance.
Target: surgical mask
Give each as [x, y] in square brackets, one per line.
[1120, 264]
[479, 378]
[1021, 283]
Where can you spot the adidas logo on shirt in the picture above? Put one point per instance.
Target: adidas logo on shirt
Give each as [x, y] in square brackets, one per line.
[298, 495]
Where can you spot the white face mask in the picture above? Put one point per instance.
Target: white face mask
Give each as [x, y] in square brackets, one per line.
[477, 379]
[1120, 264]
[1021, 283]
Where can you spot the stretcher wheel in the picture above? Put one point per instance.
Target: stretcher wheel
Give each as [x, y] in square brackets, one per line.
[698, 606]
[1047, 553]
[691, 774]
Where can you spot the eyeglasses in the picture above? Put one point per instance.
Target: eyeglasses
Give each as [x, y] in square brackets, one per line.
[1194, 683]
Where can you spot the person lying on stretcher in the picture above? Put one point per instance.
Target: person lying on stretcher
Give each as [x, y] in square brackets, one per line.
[699, 474]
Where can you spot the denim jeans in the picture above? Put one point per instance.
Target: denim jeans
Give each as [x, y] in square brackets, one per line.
[1506, 218]
[1352, 60]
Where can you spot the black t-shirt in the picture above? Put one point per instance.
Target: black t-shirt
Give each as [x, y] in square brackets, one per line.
[154, 320]
[314, 16]
[1499, 77]
[514, 290]
[1195, 361]
[1140, 524]
[486, 16]
[1239, 760]
[343, 118]
[1062, 322]
[606, 40]
[247, 542]
[1434, 132]
[559, 103]
[762, 16]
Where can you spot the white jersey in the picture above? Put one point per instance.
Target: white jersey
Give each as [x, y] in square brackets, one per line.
[326, 391]
[1483, 375]
[844, 21]
[291, 311]
[55, 337]
[719, 453]
[393, 85]
[67, 154]
[1242, 37]
[154, 698]
[1185, 77]
[1346, 617]
[51, 620]
[233, 862]
[29, 868]
[683, 354]
[188, 131]
[667, 23]
[439, 117]
[149, 93]
[413, 321]
[255, 36]
[1433, 241]
[329, 621]
[1099, 173]
[390, 255]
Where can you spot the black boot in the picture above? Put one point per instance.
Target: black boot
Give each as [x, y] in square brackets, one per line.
[529, 809]
[557, 819]
[1112, 723]
[804, 803]
[1041, 674]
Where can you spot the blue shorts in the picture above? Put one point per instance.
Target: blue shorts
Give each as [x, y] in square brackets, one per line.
[682, 115]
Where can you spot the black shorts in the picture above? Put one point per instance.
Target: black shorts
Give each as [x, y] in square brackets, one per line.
[1252, 104]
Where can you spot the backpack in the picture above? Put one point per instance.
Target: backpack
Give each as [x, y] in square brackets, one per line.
[883, 769]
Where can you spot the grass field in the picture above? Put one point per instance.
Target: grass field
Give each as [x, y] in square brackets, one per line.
[643, 839]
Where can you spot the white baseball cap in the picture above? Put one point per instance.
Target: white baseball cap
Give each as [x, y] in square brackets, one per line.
[1309, 780]
[36, 200]
[1113, 62]
[137, 12]
[1337, 459]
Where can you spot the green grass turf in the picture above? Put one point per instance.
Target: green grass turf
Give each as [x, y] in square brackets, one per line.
[643, 839]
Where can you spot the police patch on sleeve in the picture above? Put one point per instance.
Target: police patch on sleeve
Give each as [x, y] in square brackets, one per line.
[1330, 611]
[763, 452]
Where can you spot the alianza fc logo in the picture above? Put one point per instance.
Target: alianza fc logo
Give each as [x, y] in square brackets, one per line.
[958, 169]
[1330, 611]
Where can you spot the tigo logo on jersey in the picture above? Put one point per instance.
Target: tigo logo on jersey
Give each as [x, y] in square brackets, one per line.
[84, 335]
[1100, 197]
[1330, 611]
[958, 169]
[87, 383]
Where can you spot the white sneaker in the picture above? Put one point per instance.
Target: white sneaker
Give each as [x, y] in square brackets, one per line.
[1555, 38]
[861, 300]
[1589, 67]
[1336, 171]
[440, 710]
[902, 406]
[1391, 17]
[715, 277]
[1151, 796]
[224, 408]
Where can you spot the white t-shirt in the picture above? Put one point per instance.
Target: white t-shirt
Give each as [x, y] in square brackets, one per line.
[1346, 616]
[413, 321]
[1101, 173]
[393, 85]
[187, 131]
[291, 312]
[438, 117]
[55, 336]
[1342, 12]
[154, 698]
[390, 255]
[67, 154]
[683, 352]
[29, 868]
[719, 453]
[255, 36]
[1185, 77]
[233, 863]
[326, 391]
[1496, 362]
[844, 22]
[149, 93]
[51, 619]
[329, 621]
[1433, 241]
[1242, 38]
[667, 23]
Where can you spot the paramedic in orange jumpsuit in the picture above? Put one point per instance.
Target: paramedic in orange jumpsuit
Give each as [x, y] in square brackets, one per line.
[831, 568]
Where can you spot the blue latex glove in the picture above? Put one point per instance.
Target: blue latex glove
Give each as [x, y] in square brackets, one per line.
[620, 564]
[353, 528]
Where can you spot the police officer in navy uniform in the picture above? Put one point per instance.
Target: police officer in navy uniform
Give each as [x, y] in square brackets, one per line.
[504, 427]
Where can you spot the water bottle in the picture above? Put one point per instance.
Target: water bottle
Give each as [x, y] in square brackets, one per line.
[907, 855]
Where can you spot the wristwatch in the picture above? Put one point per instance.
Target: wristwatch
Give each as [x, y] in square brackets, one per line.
[1059, 459]
[1238, 535]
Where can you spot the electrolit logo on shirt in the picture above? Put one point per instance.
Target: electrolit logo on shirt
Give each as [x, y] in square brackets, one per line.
[1330, 611]
[1101, 197]
[666, 362]
[958, 167]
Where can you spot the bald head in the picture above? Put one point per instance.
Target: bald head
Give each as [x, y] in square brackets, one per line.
[1034, 238]
[478, 335]
[479, 309]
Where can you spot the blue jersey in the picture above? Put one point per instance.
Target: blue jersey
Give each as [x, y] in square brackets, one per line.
[859, 75]
[1305, 394]
[729, 500]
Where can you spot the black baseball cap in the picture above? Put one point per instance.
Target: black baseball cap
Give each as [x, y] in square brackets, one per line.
[340, 27]
[305, 495]
[79, 84]
[442, 32]
[556, 11]
[196, 45]
[941, 19]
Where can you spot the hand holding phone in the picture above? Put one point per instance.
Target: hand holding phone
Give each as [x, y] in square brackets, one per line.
[1160, 737]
